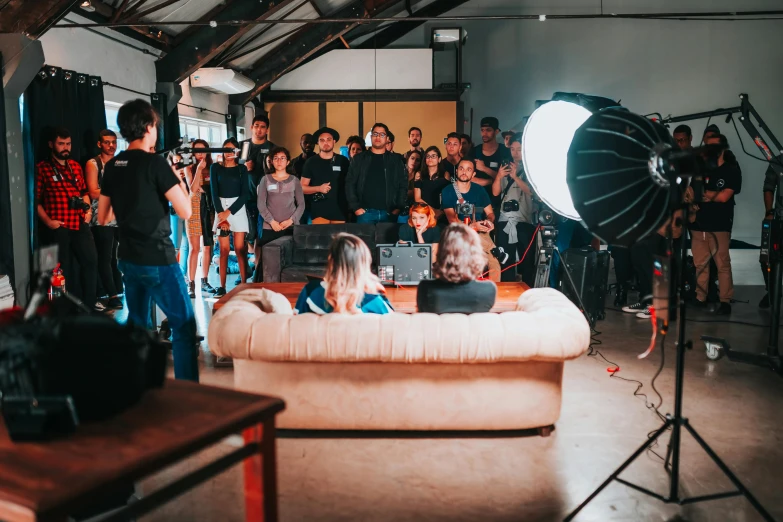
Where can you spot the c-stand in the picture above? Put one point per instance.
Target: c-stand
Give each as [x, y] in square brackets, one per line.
[772, 358]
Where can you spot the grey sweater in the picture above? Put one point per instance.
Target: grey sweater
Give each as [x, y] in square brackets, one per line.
[280, 200]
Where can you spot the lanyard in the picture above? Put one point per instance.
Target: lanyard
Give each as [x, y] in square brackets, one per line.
[57, 172]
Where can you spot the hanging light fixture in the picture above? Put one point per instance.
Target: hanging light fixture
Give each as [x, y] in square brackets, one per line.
[87, 6]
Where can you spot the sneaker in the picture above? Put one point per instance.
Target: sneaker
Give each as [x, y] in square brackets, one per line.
[700, 305]
[644, 314]
[220, 292]
[192, 289]
[634, 308]
[723, 309]
[238, 280]
[764, 303]
[115, 303]
[98, 307]
[206, 287]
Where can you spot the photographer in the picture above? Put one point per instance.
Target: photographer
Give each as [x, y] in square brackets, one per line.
[515, 224]
[323, 179]
[137, 188]
[459, 263]
[468, 202]
[711, 232]
[63, 208]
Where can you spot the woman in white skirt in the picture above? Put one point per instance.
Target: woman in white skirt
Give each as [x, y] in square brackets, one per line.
[230, 191]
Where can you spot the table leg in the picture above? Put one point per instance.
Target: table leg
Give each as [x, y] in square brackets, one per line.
[261, 474]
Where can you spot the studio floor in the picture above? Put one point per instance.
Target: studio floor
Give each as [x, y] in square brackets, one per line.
[523, 477]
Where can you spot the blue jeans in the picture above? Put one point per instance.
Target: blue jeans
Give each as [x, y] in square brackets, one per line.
[164, 285]
[373, 215]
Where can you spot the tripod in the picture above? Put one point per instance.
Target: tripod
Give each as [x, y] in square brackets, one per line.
[677, 422]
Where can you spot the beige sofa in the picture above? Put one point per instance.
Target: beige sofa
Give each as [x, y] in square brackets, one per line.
[404, 371]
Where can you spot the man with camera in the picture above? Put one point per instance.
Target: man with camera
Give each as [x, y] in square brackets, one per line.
[63, 208]
[467, 202]
[324, 179]
[515, 224]
[137, 188]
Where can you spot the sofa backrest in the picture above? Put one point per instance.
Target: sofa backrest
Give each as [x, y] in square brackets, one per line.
[261, 326]
[311, 242]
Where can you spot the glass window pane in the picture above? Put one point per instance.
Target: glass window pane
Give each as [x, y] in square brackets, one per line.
[192, 131]
[203, 132]
[214, 137]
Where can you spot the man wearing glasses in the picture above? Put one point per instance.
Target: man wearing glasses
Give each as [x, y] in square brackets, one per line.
[377, 184]
[683, 137]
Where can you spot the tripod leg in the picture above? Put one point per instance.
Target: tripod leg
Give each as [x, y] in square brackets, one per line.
[726, 471]
[619, 470]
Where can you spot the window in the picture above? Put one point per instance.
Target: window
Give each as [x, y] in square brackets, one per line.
[111, 123]
[211, 132]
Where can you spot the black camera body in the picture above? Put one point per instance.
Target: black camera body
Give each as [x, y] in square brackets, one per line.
[319, 196]
[77, 203]
[466, 209]
[511, 206]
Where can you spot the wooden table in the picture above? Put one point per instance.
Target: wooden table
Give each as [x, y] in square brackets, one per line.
[48, 481]
[403, 299]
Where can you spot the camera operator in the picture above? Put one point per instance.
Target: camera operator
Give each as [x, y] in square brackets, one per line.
[468, 202]
[107, 237]
[711, 232]
[137, 188]
[63, 207]
[515, 224]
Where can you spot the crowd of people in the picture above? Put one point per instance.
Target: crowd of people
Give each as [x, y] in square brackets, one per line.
[473, 204]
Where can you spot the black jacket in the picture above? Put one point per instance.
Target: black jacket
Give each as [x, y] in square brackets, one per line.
[396, 180]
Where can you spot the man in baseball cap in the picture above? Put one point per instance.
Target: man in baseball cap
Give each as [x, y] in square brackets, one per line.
[323, 180]
[489, 156]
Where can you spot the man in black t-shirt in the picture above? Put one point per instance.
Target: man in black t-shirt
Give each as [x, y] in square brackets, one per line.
[137, 188]
[256, 166]
[453, 155]
[324, 179]
[711, 231]
[489, 156]
[307, 144]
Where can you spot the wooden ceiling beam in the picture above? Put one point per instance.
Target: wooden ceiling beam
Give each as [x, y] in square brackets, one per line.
[32, 17]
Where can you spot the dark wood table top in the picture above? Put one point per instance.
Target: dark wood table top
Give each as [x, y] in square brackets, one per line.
[168, 424]
[403, 299]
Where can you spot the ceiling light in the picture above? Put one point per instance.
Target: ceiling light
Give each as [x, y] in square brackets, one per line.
[87, 6]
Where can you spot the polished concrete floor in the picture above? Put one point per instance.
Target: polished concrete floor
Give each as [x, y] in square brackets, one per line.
[736, 408]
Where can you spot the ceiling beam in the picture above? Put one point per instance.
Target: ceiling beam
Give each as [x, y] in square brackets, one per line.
[153, 9]
[32, 17]
[141, 33]
[202, 46]
[118, 12]
[309, 40]
[186, 33]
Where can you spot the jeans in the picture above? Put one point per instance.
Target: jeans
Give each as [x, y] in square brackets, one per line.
[165, 285]
[373, 216]
[78, 245]
[106, 243]
[179, 236]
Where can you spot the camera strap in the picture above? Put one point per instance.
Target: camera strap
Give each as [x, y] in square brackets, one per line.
[68, 178]
[505, 191]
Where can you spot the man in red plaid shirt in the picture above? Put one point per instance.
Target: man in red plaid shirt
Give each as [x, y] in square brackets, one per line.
[63, 208]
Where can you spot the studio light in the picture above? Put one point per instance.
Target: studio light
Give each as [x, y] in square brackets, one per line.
[545, 142]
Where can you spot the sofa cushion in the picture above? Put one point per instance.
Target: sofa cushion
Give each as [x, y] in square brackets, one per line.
[311, 242]
[545, 327]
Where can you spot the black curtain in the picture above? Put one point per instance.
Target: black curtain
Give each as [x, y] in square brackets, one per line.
[168, 130]
[6, 234]
[60, 98]
[231, 126]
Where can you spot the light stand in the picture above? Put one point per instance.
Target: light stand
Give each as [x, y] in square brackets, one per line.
[771, 359]
[677, 422]
[548, 233]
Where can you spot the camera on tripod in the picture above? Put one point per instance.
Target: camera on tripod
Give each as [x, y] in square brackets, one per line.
[77, 203]
[467, 209]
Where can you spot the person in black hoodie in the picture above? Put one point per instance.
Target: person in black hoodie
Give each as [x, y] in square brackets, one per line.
[377, 182]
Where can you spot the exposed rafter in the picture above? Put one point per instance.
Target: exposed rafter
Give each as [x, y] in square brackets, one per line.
[211, 15]
[154, 9]
[32, 17]
[202, 46]
[118, 12]
[144, 34]
[307, 41]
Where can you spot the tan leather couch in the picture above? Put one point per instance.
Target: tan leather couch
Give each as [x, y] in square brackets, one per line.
[404, 371]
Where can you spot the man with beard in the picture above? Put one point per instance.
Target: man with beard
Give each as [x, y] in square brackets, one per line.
[106, 237]
[323, 180]
[307, 144]
[453, 156]
[414, 138]
[257, 167]
[63, 208]
[482, 218]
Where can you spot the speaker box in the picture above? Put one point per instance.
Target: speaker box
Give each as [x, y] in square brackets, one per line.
[590, 273]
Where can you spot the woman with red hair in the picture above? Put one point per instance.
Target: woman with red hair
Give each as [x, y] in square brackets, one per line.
[421, 226]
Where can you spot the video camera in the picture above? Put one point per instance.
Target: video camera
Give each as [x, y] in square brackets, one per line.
[186, 152]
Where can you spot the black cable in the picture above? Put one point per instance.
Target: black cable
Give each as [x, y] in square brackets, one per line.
[726, 321]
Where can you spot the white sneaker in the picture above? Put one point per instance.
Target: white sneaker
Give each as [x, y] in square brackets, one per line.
[634, 308]
[646, 314]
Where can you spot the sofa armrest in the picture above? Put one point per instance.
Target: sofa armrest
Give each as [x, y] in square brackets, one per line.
[275, 256]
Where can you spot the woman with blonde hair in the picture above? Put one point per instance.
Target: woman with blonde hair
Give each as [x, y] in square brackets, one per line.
[458, 266]
[348, 286]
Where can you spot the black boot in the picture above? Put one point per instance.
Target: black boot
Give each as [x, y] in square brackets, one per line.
[192, 289]
[621, 296]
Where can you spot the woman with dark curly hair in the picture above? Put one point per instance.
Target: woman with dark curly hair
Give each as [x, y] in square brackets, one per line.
[459, 263]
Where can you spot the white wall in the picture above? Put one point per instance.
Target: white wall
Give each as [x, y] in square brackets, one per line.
[672, 67]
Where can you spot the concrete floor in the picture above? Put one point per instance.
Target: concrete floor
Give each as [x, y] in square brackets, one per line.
[520, 477]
